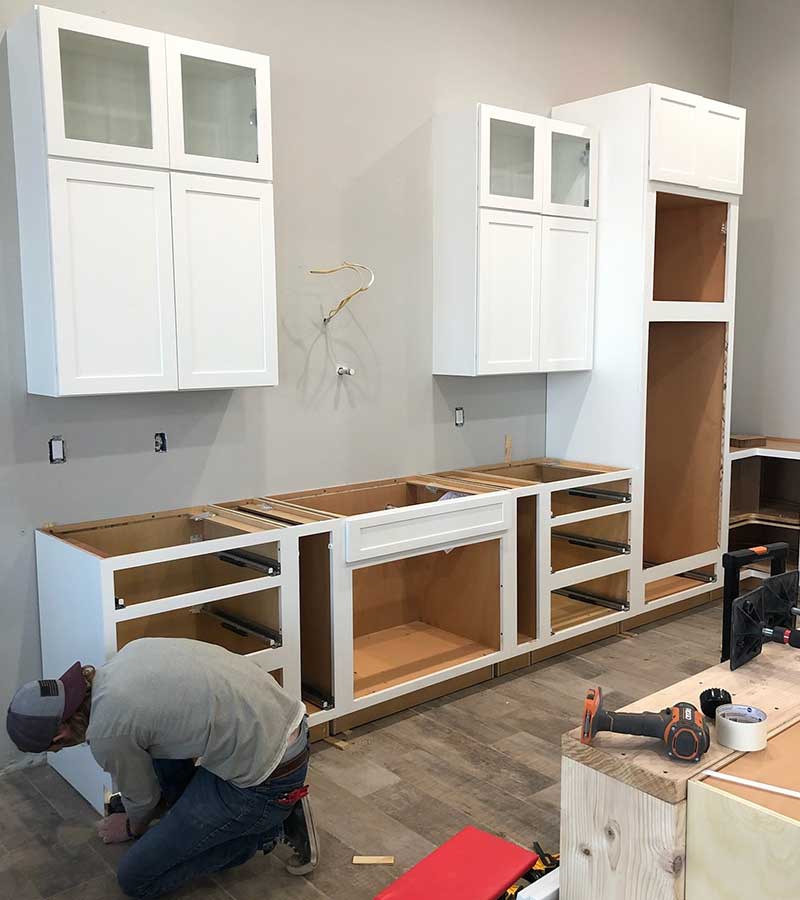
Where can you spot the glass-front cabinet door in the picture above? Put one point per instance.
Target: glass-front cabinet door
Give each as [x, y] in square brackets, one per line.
[510, 155]
[104, 88]
[219, 110]
[570, 164]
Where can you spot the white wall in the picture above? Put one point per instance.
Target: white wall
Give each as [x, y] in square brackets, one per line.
[355, 83]
[765, 78]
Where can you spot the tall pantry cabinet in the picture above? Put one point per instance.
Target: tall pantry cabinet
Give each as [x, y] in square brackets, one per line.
[657, 399]
[144, 169]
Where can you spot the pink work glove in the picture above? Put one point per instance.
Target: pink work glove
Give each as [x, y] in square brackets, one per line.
[114, 829]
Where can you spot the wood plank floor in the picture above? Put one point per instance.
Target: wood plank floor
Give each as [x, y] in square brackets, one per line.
[488, 755]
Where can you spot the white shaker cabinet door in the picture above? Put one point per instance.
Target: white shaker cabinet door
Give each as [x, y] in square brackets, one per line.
[509, 284]
[674, 135]
[105, 90]
[721, 148]
[567, 302]
[112, 278]
[219, 110]
[224, 282]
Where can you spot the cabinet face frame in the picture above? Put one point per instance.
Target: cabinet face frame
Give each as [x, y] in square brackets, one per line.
[549, 206]
[539, 124]
[58, 144]
[186, 306]
[65, 301]
[176, 47]
[487, 271]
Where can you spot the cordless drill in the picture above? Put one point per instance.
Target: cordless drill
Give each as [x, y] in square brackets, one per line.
[682, 727]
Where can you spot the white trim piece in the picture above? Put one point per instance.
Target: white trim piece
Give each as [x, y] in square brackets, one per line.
[585, 515]
[176, 47]
[508, 589]
[746, 782]
[564, 634]
[543, 563]
[196, 598]
[688, 311]
[378, 534]
[58, 144]
[588, 571]
[664, 570]
[584, 480]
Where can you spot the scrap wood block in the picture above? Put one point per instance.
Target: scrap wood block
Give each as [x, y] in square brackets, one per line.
[473, 865]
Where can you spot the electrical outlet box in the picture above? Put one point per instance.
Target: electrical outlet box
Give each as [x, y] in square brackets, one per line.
[57, 449]
[160, 442]
[459, 418]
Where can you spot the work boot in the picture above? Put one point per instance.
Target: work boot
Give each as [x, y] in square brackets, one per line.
[301, 835]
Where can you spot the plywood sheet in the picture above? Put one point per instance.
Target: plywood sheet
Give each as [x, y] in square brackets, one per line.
[684, 429]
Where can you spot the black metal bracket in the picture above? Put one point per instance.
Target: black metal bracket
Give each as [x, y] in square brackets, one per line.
[594, 599]
[314, 696]
[594, 543]
[247, 560]
[732, 564]
[600, 494]
[243, 627]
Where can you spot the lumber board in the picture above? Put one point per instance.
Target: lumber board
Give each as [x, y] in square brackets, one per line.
[616, 841]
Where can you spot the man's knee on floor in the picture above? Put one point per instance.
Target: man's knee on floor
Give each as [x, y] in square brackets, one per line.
[130, 880]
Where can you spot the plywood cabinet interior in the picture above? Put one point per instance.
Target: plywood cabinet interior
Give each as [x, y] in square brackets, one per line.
[514, 272]
[124, 257]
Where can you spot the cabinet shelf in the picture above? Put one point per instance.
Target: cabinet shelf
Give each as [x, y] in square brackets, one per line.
[404, 652]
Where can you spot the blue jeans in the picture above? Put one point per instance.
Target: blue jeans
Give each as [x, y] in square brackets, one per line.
[212, 825]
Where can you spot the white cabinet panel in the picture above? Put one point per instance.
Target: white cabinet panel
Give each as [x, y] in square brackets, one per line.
[567, 296]
[570, 167]
[674, 127]
[511, 158]
[105, 89]
[721, 147]
[219, 105]
[509, 250]
[224, 282]
[112, 278]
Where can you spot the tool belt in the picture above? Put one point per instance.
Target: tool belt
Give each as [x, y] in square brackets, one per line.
[291, 766]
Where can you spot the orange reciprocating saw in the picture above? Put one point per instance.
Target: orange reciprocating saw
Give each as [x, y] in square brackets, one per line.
[682, 727]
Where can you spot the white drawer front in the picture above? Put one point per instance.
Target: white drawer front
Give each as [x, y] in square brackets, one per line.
[411, 528]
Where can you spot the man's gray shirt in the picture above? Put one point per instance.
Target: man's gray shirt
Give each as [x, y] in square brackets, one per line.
[172, 698]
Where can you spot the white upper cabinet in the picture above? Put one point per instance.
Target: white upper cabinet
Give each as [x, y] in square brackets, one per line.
[570, 166]
[514, 250]
[144, 268]
[509, 287]
[696, 141]
[510, 158]
[104, 89]
[567, 294]
[224, 282]
[219, 110]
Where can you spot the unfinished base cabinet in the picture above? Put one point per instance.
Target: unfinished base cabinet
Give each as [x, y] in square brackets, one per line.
[208, 573]
[514, 271]
[124, 256]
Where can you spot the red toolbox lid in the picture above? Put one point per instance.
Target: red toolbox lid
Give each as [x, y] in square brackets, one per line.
[473, 865]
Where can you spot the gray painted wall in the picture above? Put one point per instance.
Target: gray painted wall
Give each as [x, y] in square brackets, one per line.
[765, 78]
[355, 83]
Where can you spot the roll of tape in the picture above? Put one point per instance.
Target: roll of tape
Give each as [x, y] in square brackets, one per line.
[741, 727]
